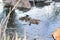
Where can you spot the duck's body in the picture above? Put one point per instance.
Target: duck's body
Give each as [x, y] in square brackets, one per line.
[34, 21]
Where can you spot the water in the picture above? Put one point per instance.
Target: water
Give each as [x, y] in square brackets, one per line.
[49, 22]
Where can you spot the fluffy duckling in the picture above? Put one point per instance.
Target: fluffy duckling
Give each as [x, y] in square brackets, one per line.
[56, 34]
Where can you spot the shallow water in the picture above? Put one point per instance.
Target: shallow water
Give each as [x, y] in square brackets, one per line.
[49, 22]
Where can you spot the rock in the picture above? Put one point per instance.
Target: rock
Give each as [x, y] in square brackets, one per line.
[22, 3]
[56, 0]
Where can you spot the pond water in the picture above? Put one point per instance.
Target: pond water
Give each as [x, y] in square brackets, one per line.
[50, 20]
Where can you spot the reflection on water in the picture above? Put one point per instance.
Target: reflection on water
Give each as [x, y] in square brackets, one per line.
[50, 20]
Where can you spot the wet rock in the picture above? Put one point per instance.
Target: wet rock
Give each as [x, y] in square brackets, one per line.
[22, 3]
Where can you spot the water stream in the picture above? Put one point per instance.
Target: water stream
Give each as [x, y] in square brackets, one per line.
[50, 20]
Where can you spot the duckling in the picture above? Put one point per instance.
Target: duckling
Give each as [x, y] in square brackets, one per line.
[56, 34]
[34, 21]
[31, 21]
[24, 18]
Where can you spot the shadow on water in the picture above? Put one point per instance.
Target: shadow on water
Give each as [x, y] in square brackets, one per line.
[11, 23]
